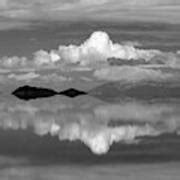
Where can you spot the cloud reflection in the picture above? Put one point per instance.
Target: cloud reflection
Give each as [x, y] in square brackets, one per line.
[98, 125]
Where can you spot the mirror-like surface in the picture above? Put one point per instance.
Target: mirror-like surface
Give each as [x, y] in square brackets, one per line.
[126, 128]
[57, 136]
[97, 124]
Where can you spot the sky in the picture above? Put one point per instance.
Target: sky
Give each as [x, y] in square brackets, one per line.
[18, 13]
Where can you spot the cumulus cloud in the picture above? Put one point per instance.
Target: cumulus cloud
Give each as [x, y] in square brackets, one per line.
[13, 62]
[95, 53]
[42, 57]
[97, 49]
[97, 126]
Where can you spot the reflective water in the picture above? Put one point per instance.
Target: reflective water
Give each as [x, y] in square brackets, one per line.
[102, 136]
[85, 137]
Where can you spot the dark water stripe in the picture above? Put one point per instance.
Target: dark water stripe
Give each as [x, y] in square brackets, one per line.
[143, 91]
[49, 150]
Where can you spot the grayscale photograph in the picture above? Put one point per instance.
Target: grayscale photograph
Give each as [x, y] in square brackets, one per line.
[89, 89]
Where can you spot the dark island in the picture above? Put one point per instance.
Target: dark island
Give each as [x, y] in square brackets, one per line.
[29, 92]
[72, 93]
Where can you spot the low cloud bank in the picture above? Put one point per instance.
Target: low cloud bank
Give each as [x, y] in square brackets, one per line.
[110, 61]
[132, 74]
[96, 49]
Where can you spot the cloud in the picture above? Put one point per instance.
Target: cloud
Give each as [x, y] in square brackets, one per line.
[149, 2]
[34, 77]
[24, 77]
[132, 74]
[106, 10]
[6, 4]
[96, 49]
[54, 78]
[42, 57]
[110, 61]
[43, 10]
[13, 62]
[99, 47]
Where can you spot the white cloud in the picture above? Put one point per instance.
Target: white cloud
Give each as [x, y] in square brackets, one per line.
[24, 77]
[96, 49]
[42, 57]
[33, 76]
[132, 74]
[13, 62]
[99, 47]
[93, 54]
